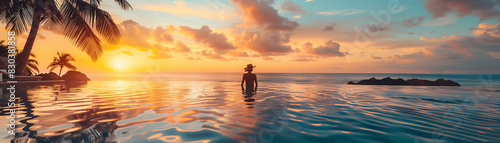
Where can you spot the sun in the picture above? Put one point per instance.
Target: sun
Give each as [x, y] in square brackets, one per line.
[119, 65]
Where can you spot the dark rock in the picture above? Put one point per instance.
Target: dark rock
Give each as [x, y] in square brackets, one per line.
[399, 81]
[384, 81]
[75, 76]
[421, 82]
[443, 82]
[49, 76]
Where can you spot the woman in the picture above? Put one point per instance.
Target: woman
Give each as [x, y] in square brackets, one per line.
[249, 77]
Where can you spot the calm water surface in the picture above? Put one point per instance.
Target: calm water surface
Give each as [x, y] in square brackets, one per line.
[174, 107]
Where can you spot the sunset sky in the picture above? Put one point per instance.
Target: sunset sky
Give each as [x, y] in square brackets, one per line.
[311, 36]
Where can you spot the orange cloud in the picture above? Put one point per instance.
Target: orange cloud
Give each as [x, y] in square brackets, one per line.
[328, 49]
[214, 40]
[141, 37]
[181, 47]
[265, 43]
[259, 13]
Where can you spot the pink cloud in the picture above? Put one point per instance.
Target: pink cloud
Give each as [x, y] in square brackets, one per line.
[411, 22]
[288, 5]
[484, 9]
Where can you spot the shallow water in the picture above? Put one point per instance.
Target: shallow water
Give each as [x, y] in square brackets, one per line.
[287, 108]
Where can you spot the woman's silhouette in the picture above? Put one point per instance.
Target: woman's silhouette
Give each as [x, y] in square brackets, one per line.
[250, 78]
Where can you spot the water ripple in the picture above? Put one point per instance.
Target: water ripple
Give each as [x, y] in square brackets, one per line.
[216, 111]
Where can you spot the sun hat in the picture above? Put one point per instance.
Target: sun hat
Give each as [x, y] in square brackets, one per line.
[249, 67]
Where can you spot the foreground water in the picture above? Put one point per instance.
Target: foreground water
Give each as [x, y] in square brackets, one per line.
[287, 108]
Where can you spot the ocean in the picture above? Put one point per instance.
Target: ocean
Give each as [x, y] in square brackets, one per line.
[287, 107]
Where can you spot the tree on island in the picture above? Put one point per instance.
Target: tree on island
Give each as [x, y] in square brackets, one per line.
[31, 65]
[61, 61]
[75, 18]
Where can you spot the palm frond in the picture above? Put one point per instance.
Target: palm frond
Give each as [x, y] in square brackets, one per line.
[53, 65]
[67, 57]
[18, 16]
[124, 4]
[96, 2]
[33, 67]
[33, 61]
[52, 17]
[69, 65]
[99, 19]
[52, 69]
[76, 28]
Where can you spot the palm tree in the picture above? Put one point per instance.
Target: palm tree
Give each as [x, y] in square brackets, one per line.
[76, 18]
[61, 60]
[32, 65]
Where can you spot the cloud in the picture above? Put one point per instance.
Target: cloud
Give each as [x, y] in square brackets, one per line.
[487, 33]
[216, 41]
[162, 35]
[193, 58]
[342, 12]
[181, 47]
[465, 54]
[126, 53]
[288, 5]
[303, 58]
[268, 58]
[329, 27]
[179, 7]
[442, 21]
[334, 67]
[265, 42]
[486, 41]
[417, 55]
[138, 36]
[212, 55]
[376, 57]
[401, 9]
[260, 13]
[376, 27]
[238, 54]
[143, 38]
[411, 22]
[464, 43]
[328, 49]
[484, 9]
[40, 36]
[160, 53]
[450, 55]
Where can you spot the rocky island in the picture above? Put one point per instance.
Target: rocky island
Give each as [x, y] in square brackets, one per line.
[409, 82]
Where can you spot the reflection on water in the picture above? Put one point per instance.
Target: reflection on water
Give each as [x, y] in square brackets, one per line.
[217, 111]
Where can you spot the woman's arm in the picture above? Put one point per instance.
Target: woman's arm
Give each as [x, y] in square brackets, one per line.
[242, 80]
[256, 84]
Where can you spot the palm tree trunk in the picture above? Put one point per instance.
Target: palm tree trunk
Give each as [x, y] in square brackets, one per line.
[24, 56]
[60, 70]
